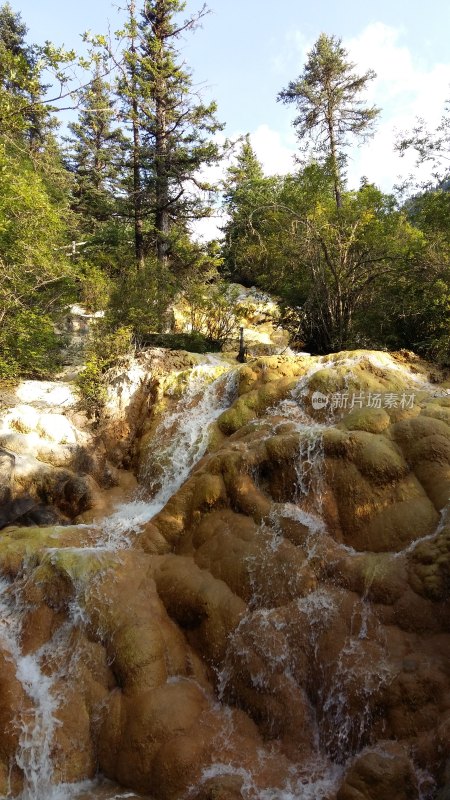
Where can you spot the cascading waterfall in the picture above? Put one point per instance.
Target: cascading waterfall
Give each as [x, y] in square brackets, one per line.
[338, 726]
[318, 776]
[341, 730]
[179, 443]
[38, 722]
[37, 725]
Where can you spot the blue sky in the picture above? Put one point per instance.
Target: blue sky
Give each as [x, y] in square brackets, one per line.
[247, 51]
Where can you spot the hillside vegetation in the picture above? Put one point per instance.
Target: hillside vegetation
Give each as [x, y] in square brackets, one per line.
[103, 214]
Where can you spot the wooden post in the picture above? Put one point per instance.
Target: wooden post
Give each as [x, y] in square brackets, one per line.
[242, 354]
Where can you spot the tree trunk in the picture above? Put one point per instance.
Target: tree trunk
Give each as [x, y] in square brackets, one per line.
[162, 217]
[137, 194]
[334, 158]
[137, 183]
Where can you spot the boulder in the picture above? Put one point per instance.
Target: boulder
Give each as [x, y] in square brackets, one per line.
[385, 773]
[27, 511]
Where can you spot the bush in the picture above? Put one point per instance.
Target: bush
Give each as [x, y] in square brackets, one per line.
[139, 302]
[95, 287]
[105, 349]
[215, 311]
[29, 347]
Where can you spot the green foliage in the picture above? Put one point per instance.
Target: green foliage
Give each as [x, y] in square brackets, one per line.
[430, 212]
[24, 116]
[172, 131]
[431, 147]
[424, 321]
[351, 267]
[413, 311]
[36, 277]
[106, 348]
[20, 83]
[95, 286]
[95, 156]
[193, 342]
[139, 300]
[327, 262]
[214, 310]
[249, 198]
[347, 255]
[32, 231]
[29, 346]
[330, 110]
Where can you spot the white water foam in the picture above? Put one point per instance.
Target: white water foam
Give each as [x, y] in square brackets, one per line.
[180, 441]
[317, 780]
[38, 726]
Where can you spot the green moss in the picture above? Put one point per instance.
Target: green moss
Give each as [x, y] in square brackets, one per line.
[236, 417]
[379, 575]
[247, 377]
[80, 565]
[372, 420]
[283, 448]
[336, 442]
[437, 411]
[430, 567]
[377, 457]
[254, 403]
[20, 544]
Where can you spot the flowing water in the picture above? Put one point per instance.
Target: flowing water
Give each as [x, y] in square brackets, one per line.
[179, 442]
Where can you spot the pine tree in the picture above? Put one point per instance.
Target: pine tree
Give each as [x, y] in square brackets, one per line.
[330, 111]
[22, 111]
[247, 193]
[171, 131]
[95, 156]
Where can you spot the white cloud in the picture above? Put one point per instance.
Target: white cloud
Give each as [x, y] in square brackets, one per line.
[294, 53]
[404, 89]
[275, 152]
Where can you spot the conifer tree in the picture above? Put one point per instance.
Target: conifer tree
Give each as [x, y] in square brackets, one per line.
[247, 195]
[171, 129]
[95, 155]
[21, 109]
[330, 109]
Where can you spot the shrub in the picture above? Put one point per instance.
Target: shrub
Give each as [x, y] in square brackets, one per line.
[105, 349]
[194, 342]
[215, 311]
[29, 346]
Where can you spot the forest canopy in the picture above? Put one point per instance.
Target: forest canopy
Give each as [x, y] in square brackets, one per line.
[353, 267]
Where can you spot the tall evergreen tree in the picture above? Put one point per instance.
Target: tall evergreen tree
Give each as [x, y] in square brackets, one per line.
[95, 156]
[35, 273]
[330, 109]
[171, 130]
[129, 90]
[20, 85]
[247, 197]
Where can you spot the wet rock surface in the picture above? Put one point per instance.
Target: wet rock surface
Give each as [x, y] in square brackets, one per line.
[54, 455]
[280, 628]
